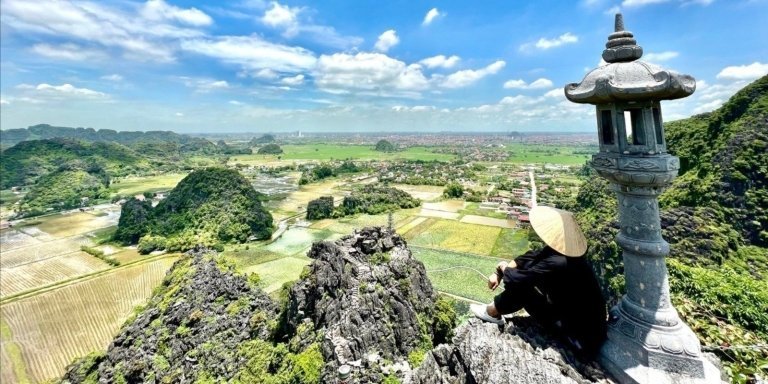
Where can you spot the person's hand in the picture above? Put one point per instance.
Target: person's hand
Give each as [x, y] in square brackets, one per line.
[493, 282]
[500, 267]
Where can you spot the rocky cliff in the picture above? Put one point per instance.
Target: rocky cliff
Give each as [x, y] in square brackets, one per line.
[364, 305]
[520, 352]
[371, 300]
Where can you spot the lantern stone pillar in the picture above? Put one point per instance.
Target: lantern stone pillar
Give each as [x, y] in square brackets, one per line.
[647, 341]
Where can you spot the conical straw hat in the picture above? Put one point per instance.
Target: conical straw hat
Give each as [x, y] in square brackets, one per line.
[559, 230]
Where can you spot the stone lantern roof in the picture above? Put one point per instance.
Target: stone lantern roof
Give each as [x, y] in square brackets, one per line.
[625, 78]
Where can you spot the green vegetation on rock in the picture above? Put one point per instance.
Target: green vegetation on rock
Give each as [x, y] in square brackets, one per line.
[385, 146]
[209, 206]
[73, 184]
[270, 149]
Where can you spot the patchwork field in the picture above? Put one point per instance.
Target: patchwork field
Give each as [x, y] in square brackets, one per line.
[455, 236]
[458, 274]
[438, 214]
[324, 152]
[422, 192]
[130, 186]
[490, 221]
[48, 271]
[447, 206]
[76, 223]
[42, 334]
[275, 273]
[40, 251]
[347, 225]
[280, 261]
[548, 154]
[510, 243]
[297, 201]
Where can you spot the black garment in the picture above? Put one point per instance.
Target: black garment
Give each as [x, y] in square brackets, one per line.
[560, 292]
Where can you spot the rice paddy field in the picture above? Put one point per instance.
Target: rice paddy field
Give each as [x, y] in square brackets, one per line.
[131, 186]
[455, 236]
[548, 154]
[280, 261]
[26, 277]
[75, 223]
[422, 192]
[297, 201]
[39, 251]
[458, 274]
[322, 152]
[42, 334]
[484, 220]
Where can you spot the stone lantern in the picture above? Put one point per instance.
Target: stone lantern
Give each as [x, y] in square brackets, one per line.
[647, 341]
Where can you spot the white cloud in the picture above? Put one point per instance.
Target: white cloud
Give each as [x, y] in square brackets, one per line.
[440, 61]
[430, 16]
[253, 53]
[709, 106]
[160, 10]
[68, 51]
[293, 81]
[205, 85]
[521, 84]
[295, 21]
[469, 76]
[235, 102]
[45, 91]
[281, 16]
[744, 72]
[555, 93]
[545, 43]
[368, 72]
[386, 40]
[4, 101]
[112, 77]
[134, 32]
[613, 10]
[266, 74]
[179, 114]
[518, 83]
[660, 57]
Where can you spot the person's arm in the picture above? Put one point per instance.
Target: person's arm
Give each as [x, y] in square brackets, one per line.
[495, 279]
[534, 272]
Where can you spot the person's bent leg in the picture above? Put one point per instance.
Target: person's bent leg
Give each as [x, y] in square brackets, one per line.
[510, 300]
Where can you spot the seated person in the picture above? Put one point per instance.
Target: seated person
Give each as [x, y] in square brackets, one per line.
[554, 284]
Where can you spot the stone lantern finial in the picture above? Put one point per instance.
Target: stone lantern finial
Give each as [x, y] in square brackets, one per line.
[621, 45]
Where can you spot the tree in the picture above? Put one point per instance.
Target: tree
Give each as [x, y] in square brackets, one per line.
[385, 146]
[321, 208]
[270, 149]
[134, 221]
[453, 190]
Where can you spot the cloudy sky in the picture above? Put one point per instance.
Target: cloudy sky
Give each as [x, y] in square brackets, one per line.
[258, 65]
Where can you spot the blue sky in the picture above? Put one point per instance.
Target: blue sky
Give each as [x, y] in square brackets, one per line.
[277, 66]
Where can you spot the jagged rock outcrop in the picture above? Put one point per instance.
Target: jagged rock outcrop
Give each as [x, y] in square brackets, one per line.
[191, 328]
[521, 353]
[370, 299]
[364, 302]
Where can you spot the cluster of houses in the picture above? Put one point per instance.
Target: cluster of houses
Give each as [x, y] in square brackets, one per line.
[157, 196]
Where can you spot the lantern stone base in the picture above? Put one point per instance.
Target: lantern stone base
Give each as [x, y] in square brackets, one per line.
[649, 354]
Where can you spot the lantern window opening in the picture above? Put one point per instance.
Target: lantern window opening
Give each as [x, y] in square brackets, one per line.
[606, 127]
[634, 126]
[658, 125]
